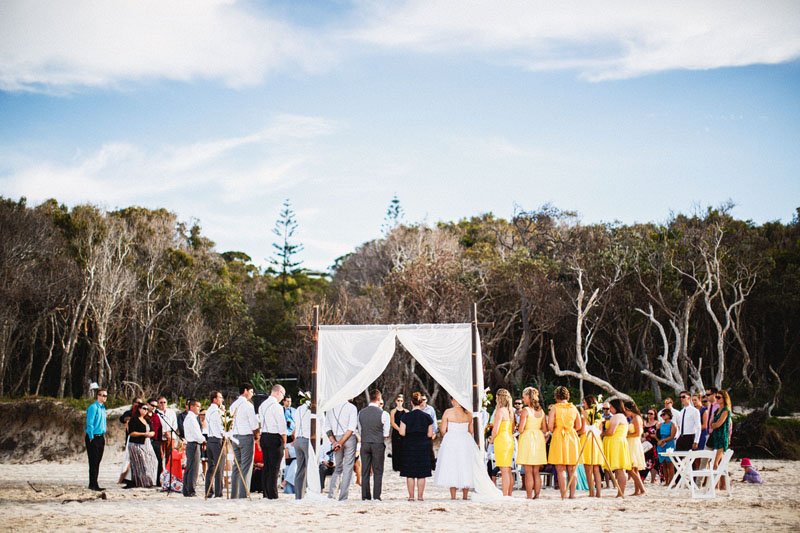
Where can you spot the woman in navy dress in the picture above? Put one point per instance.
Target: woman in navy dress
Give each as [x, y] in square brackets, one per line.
[416, 427]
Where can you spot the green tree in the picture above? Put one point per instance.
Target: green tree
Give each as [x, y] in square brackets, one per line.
[284, 258]
[394, 216]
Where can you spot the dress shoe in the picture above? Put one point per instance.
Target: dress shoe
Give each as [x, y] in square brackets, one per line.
[97, 488]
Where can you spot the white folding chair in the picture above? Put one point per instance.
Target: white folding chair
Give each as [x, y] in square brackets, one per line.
[705, 472]
[722, 471]
[711, 474]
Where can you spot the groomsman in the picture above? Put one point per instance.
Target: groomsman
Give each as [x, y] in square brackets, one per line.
[95, 436]
[341, 422]
[245, 430]
[194, 438]
[375, 428]
[302, 432]
[214, 444]
[273, 439]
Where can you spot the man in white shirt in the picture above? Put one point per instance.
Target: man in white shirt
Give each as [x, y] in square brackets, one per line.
[214, 445]
[169, 426]
[327, 462]
[245, 430]
[431, 413]
[374, 428]
[689, 425]
[194, 438]
[341, 422]
[273, 439]
[668, 404]
[302, 434]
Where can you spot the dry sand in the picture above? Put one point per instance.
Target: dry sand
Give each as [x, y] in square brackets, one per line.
[37, 497]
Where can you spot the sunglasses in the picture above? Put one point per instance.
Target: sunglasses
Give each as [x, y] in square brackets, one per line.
[103, 395]
[718, 397]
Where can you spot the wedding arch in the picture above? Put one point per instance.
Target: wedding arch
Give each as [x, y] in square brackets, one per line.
[346, 359]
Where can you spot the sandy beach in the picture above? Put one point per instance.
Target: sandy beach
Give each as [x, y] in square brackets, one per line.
[52, 496]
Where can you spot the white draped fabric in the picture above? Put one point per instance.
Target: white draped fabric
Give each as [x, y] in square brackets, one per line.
[350, 358]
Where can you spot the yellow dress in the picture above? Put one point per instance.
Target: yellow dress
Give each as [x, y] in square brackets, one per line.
[531, 449]
[504, 445]
[564, 442]
[637, 452]
[592, 451]
[616, 448]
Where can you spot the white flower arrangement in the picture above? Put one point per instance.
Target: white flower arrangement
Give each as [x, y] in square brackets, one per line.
[304, 396]
[486, 401]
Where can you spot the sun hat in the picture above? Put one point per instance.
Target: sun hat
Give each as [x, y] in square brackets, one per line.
[746, 462]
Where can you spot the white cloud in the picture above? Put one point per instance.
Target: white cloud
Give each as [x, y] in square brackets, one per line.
[122, 173]
[56, 46]
[600, 39]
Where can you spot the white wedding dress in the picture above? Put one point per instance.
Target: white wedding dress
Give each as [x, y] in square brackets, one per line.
[456, 457]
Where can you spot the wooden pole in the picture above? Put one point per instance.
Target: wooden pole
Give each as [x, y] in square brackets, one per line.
[314, 358]
[475, 396]
[593, 438]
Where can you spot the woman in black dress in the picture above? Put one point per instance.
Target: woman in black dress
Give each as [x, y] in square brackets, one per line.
[397, 440]
[416, 427]
[143, 459]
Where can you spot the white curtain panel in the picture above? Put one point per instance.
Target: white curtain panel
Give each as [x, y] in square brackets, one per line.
[445, 351]
[350, 358]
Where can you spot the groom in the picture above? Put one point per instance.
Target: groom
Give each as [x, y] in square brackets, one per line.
[374, 427]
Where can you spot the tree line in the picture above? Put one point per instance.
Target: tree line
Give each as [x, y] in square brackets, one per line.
[142, 302]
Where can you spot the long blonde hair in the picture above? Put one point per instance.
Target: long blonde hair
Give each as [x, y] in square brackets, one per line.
[533, 394]
[503, 398]
[726, 399]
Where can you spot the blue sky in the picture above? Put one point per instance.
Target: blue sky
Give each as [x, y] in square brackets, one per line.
[221, 109]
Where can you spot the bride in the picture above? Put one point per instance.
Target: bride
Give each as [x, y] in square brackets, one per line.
[456, 451]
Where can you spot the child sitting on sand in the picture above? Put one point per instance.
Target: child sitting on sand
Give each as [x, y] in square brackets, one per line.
[751, 475]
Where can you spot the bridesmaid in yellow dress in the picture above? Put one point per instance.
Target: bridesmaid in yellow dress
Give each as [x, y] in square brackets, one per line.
[565, 421]
[615, 445]
[592, 457]
[503, 439]
[531, 450]
[638, 462]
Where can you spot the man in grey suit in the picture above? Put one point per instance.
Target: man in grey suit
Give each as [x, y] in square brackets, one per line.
[375, 428]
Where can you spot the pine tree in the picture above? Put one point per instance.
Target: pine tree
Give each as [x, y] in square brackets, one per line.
[394, 216]
[285, 251]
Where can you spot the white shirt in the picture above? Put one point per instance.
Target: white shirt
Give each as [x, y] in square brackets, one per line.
[432, 413]
[323, 452]
[244, 417]
[689, 422]
[302, 427]
[387, 425]
[191, 428]
[168, 420]
[271, 417]
[342, 418]
[214, 421]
